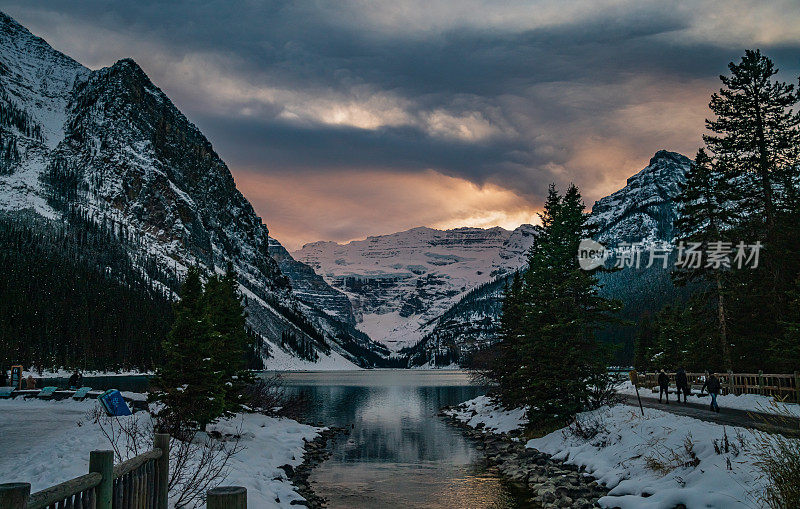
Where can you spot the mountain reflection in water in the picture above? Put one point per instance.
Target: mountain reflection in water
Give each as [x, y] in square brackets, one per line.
[398, 453]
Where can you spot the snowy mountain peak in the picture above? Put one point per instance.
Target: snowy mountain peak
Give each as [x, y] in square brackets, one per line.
[643, 210]
[108, 148]
[35, 83]
[399, 282]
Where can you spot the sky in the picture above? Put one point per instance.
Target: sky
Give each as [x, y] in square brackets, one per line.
[351, 118]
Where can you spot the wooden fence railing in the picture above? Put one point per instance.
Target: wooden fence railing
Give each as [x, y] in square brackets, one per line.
[140, 482]
[782, 386]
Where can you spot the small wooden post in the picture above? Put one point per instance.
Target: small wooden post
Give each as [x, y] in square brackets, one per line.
[634, 376]
[161, 441]
[227, 497]
[730, 382]
[14, 495]
[761, 382]
[797, 386]
[102, 462]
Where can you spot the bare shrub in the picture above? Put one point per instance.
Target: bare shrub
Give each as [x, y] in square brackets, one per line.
[198, 464]
[265, 395]
[128, 436]
[603, 391]
[198, 461]
[725, 446]
[585, 427]
[779, 461]
[270, 396]
[664, 460]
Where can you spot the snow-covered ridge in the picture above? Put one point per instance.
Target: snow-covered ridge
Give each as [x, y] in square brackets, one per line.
[643, 210]
[109, 146]
[397, 283]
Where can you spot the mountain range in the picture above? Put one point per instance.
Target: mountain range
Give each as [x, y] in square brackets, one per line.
[642, 211]
[109, 147]
[400, 282]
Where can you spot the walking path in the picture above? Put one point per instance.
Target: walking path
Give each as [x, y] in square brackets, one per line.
[789, 426]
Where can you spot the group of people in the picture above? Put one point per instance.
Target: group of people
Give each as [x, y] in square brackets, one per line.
[711, 383]
[75, 381]
[28, 383]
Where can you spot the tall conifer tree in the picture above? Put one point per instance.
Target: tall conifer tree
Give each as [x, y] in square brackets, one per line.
[554, 358]
[188, 383]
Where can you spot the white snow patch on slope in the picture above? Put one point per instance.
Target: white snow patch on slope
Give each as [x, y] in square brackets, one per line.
[282, 361]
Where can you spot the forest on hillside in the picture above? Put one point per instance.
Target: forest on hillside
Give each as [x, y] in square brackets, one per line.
[70, 297]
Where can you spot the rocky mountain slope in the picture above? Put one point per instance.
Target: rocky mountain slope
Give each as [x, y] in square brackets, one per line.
[109, 146]
[310, 287]
[397, 284]
[642, 211]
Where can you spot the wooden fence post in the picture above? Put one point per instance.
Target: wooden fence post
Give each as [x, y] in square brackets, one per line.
[761, 382]
[102, 462]
[797, 386]
[161, 441]
[14, 495]
[730, 382]
[227, 497]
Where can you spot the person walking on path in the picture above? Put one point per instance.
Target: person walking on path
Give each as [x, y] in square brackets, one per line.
[682, 384]
[30, 382]
[663, 386]
[713, 385]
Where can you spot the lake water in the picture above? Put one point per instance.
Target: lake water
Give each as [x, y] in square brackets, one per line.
[398, 453]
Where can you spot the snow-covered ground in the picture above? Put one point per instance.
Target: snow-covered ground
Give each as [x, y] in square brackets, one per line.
[750, 402]
[48, 442]
[282, 361]
[645, 460]
[482, 411]
[66, 373]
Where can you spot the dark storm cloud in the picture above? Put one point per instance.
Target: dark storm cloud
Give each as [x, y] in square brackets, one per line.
[298, 148]
[511, 94]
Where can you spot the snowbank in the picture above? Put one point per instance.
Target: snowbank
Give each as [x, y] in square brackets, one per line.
[656, 461]
[484, 413]
[48, 442]
[647, 462]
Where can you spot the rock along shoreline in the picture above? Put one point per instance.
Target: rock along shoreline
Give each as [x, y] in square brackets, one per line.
[316, 451]
[551, 483]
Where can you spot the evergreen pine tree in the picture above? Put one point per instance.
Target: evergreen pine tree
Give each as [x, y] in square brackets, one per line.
[555, 359]
[755, 139]
[756, 131]
[785, 350]
[645, 341]
[502, 365]
[705, 217]
[230, 342]
[188, 383]
[670, 348]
